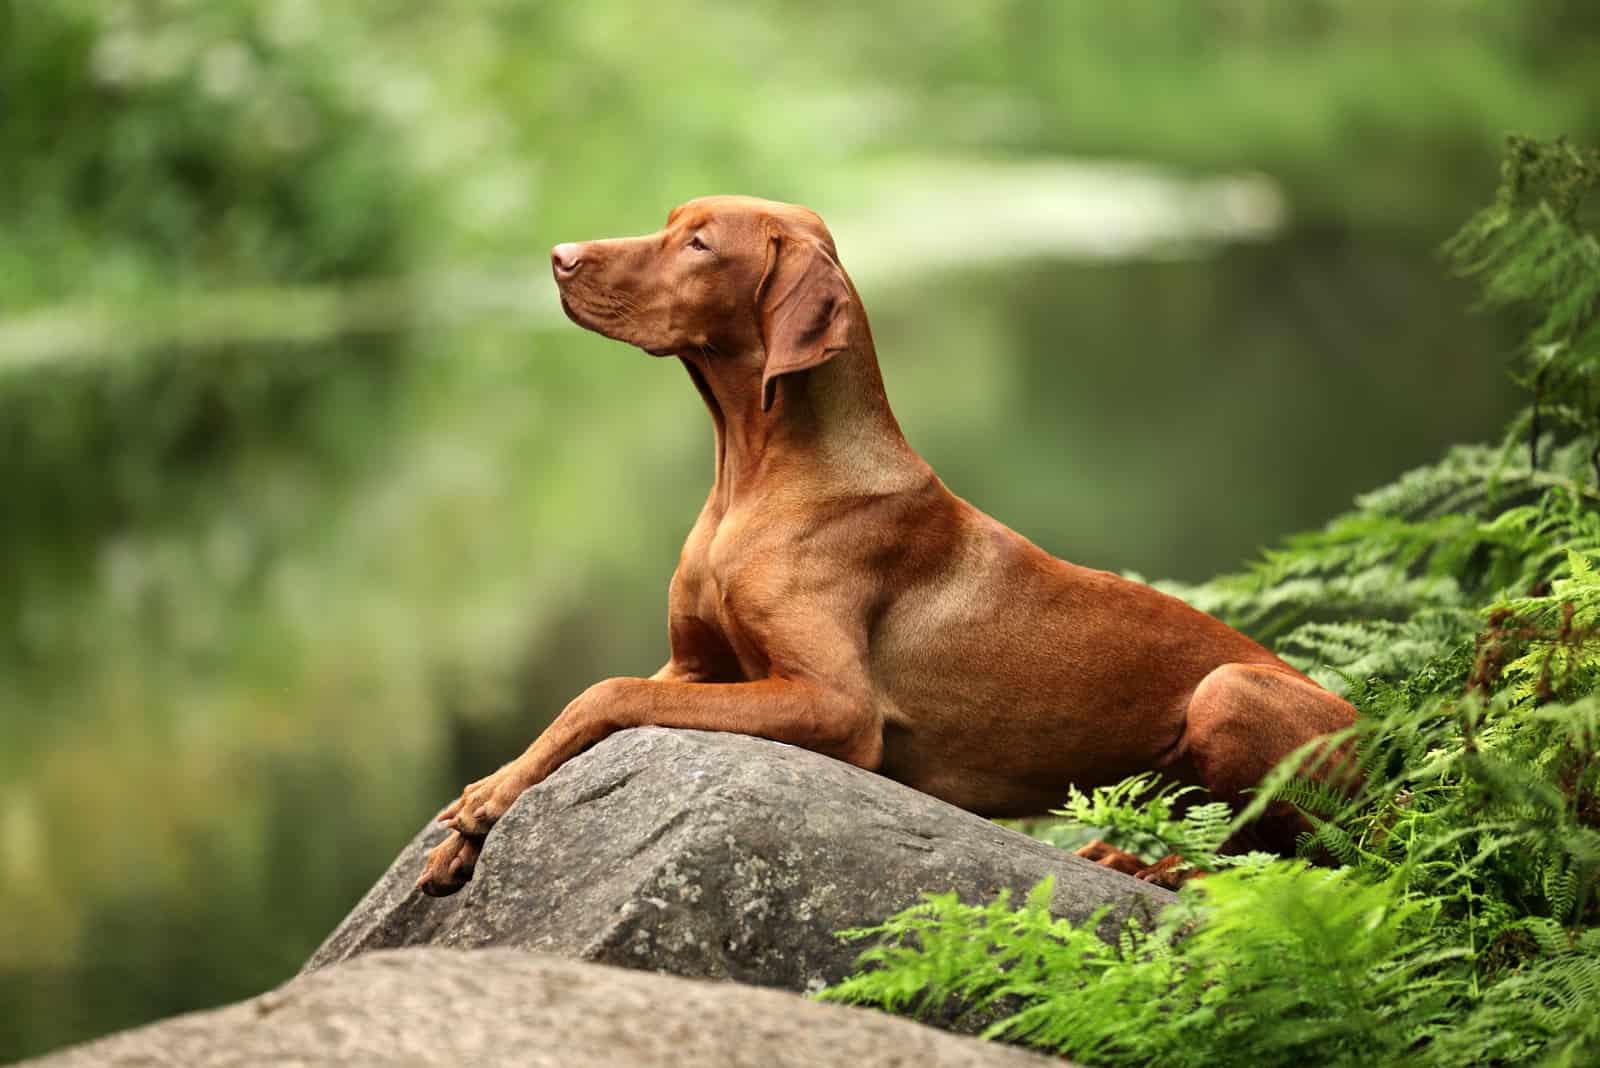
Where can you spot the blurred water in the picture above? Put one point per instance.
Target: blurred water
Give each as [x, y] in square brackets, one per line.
[935, 214]
[899, 222]
[1173, 417]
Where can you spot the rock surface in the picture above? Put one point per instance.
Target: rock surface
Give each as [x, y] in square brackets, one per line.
[717, 856]
[504, 1007]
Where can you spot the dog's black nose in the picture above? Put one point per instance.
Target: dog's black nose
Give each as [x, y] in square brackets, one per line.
[565, 258]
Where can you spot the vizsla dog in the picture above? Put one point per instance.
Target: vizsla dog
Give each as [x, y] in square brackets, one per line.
[835, 595]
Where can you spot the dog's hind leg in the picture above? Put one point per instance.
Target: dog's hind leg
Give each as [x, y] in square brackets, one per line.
[1242, 720]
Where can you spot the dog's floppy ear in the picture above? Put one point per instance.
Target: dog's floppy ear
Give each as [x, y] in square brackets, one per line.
[805, 307]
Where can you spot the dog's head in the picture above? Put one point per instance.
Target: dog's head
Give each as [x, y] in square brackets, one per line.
[727, 277]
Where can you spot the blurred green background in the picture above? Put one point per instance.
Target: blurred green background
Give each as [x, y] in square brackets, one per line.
[312, 505]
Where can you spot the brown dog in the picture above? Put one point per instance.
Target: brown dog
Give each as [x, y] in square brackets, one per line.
[835, 595]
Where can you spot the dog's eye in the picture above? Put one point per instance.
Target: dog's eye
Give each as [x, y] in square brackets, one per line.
[698, 245]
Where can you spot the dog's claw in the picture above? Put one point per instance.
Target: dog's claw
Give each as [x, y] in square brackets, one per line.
[469, 794]
[479, 812]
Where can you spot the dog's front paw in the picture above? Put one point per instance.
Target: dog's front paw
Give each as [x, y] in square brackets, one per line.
[481, 805]
[449, 865]
[448, 814]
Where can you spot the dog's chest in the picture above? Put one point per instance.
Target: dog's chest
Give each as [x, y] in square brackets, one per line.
[717, 571]
[729, 563]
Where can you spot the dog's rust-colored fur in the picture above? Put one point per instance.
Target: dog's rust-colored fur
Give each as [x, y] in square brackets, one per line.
[835, 595]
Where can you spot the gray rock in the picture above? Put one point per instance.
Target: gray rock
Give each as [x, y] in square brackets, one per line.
[717, 856]
[504, 1007]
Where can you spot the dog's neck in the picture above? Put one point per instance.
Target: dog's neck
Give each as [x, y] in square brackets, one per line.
[831, 424]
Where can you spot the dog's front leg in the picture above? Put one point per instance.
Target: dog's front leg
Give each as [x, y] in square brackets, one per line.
[826, 718]
[831, 718]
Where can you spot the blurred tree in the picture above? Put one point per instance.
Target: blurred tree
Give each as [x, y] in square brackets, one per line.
[154, 148]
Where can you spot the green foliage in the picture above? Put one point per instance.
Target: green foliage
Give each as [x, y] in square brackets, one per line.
[1407, 567]
[149, 146]
[1459, 609]
[1148, 818]
[1209, 985]
[1532, 251]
